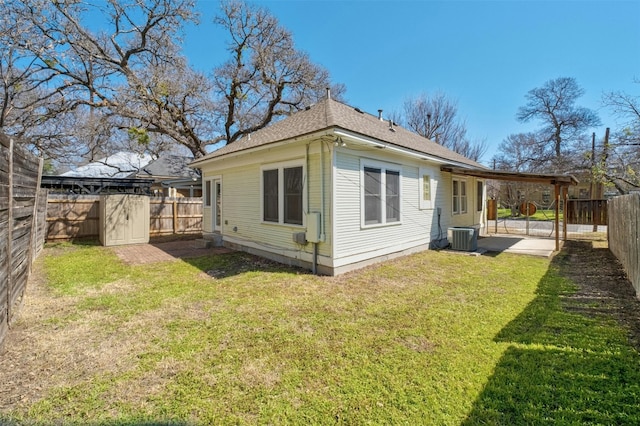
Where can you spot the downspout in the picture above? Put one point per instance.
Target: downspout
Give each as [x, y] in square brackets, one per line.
[306, 160]
[322, 195]
[314, 267]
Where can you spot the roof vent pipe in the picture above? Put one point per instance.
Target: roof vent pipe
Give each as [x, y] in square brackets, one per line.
[328, 93]
[391, 125]
[380, 115]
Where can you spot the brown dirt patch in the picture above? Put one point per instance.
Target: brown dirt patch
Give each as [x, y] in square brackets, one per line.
[164, 251]
[49, 346]
[603, 287]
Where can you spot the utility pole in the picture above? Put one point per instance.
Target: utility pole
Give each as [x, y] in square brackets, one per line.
[605, 156]
[593, 165]
[594, 184]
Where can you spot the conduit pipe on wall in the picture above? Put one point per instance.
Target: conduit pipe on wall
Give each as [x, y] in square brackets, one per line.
[314, 267]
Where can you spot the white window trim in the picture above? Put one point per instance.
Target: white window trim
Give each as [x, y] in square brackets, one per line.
[384, 167]
[466, 196]
[280, 167]
[204, 190]
[425, 204]
[484, 192]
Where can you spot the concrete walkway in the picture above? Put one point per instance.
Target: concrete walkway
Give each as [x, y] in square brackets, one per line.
[161, 252]
[517, 244]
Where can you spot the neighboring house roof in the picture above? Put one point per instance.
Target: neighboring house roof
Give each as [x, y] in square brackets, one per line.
[169, 166]
[118, 165]
[330, 114]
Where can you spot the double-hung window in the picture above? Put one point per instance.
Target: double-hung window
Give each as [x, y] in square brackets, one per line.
[282, 194]
[459, 196]
[380, 195]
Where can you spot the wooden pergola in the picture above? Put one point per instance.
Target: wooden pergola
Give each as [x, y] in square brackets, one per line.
[560, 183]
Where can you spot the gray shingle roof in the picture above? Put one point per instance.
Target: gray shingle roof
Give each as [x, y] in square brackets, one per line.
[169, 165]
[330, 114]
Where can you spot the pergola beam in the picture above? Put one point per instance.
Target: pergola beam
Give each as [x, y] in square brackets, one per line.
[559, 182]
[550, 179]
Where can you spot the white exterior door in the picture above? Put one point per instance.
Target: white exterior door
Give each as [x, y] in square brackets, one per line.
[216, 197]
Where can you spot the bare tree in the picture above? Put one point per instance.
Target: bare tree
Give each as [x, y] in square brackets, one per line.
[89, 77]
[526, 153]
[436, 118]
[522, 152]
[627, 108]
[563, 122]
[266, 77]
[620, 160]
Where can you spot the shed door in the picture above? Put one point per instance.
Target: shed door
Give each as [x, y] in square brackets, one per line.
[116, 226]
[138, 219]
[125, 219]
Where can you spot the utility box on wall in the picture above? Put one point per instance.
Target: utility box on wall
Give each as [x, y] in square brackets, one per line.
[313, 227]
[124, 219]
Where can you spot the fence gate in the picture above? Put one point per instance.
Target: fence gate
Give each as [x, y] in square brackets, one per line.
[583, 219]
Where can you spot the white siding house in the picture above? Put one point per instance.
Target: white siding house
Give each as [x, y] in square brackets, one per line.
[332, 189]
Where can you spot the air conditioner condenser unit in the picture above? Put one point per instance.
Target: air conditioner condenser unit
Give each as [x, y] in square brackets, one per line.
[463, 238]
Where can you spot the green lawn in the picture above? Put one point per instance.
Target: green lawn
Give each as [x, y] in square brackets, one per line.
[540, 214]
[433, 338]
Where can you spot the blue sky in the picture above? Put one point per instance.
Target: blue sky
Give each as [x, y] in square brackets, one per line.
[486, 55]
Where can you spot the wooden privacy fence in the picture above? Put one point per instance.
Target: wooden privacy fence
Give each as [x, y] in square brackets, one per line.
[624, 234]
[22, 215]
[586, 212]
[72, 217]
[175, 216]
[78, 216]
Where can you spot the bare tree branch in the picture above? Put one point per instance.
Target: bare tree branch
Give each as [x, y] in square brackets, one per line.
[125, 80]
[436, 118]
[554, 105]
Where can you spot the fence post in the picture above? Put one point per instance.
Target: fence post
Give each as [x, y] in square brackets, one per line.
[34, 219]
[565, 194]
[10, 233]
[556, 196]
[175, 217]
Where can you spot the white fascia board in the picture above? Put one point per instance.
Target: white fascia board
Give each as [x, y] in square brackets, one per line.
[310, 136]
[404, 151]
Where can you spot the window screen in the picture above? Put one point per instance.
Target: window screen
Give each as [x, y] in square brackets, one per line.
[293, 195]
[270, 193]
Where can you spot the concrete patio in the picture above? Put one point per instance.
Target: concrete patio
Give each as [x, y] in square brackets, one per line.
[518, 244]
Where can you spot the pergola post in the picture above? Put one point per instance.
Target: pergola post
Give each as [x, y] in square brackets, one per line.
[565, 195]
[557, 219]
